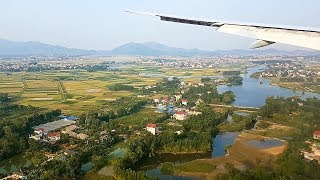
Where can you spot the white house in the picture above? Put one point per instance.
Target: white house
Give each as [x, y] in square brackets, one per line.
[316, 135]
[39, 131]
[55, 136]
[184, 102]
[152, 128]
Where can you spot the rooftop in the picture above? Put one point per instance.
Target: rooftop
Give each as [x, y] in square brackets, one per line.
[151, 125]
[54, 134]
[316, 133]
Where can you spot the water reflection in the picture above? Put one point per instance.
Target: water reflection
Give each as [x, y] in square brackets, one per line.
[252, 93]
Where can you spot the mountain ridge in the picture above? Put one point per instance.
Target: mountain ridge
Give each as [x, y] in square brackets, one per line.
[13, 49]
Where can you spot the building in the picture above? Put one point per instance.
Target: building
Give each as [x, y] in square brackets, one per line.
[39, 131]
[82, 136]
[180, 115]
[68, 118]
[184, 102]
[152, 128]
[316, 135]
[55, 136]
[69, 129]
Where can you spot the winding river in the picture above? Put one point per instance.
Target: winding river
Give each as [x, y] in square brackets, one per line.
[253, 94]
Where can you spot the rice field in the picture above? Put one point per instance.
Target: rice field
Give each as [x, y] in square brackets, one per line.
[78, 91]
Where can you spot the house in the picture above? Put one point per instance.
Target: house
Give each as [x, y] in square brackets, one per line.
[36, 137]
[316, 135]
[316, 149]
[165, 100]
[39, 131]
[68, 118]
[82, 136]
[69, 129]
[156, 100]
[54, 136]
[16, 175]
[184, 102]
[71, 118]
[152, 128]
[180, 115]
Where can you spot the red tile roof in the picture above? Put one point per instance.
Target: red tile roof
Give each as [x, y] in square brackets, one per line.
[316, 133]
[181, 112]
[151, 125]
[184, 100]
[54, 134]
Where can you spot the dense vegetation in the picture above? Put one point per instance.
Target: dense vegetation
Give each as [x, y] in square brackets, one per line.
[165, 86]
[231, 73]
[16, 124]
[208, 94]
[197, 137]
[121, 87]
[235, 80]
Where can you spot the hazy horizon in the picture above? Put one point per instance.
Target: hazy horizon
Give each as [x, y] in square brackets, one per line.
[101, 25]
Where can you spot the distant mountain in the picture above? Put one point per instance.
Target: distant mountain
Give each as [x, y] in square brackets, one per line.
[156, 49]
[11, 48]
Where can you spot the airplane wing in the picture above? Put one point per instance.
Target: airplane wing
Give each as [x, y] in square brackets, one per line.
[265, 34]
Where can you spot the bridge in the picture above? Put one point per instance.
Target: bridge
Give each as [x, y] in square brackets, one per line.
[242, 108]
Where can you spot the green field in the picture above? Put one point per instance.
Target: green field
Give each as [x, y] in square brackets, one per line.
[77, 91]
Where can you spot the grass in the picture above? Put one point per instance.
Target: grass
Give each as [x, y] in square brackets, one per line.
[95, 176]
[141, 118]
[202, 166]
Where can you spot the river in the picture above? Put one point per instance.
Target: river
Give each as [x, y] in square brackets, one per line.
[253, 94]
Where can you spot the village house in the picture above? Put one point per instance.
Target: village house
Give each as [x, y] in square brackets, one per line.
[165, 100]
[152, 128]
[39, 131]
[157, 100]
[184, 102]
[316, 135]
[54, 136]
[69, 129]
[316, 149]
[180, 115]
[68, 118]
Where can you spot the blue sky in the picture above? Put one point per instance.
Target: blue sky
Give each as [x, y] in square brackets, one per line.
[103, 24]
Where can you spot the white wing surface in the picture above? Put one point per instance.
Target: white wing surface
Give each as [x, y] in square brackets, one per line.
[265, 34]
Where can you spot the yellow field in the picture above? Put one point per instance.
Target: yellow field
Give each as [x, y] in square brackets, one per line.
[78, 91]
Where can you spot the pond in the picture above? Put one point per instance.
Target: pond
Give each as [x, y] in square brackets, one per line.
[221, 141]
[87, 167]
[253, 94]
[152, 165]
